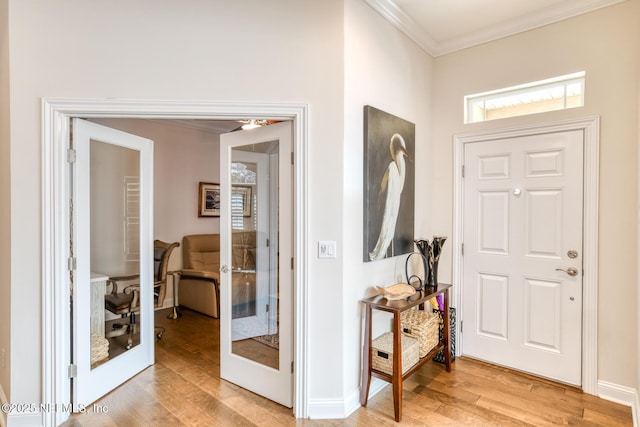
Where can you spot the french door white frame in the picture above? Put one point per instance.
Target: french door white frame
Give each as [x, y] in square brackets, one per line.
[56, 116]
[591, 128]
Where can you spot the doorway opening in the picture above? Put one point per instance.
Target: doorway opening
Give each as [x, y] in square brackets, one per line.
[56, 320]
[589, 127]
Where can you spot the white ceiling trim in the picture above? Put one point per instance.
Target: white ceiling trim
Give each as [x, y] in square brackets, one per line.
[564, 10]
[392, 13]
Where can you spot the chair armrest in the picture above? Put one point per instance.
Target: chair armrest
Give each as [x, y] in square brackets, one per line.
[113, 281]
[124, 278]
[200, 274]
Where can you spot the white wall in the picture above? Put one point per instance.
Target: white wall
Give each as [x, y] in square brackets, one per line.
[605, 44]
[388, 71]
[109, 165]
[191, 50]
[5, 204]
[300, 57]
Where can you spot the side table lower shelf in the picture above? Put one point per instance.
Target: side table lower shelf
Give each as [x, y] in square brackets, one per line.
[397, 307]
[389, 378]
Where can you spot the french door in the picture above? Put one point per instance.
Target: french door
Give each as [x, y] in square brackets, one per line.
[112, 224]
[256, 278]
[523, 252]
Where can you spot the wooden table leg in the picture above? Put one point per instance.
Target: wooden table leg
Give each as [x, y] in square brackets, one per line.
[446, 332]
[365, 380]
[397, 366]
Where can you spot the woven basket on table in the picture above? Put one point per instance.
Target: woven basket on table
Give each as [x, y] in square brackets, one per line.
[423, 326]
[382, 353]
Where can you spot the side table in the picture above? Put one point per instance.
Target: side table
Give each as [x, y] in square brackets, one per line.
[176, 281]
[396, 307]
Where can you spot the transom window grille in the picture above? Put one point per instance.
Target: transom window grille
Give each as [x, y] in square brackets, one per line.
[132, 218]
[558, 93]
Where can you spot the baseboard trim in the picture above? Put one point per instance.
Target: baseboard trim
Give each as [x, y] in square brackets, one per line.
[617, 393]
[326, 409]
[25, 420]
[334, 409]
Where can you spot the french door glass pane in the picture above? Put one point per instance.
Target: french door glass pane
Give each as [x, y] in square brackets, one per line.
[115, 250]
[254, 283]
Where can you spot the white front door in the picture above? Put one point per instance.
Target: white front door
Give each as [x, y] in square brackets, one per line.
[112, 203]
[522, 234]
[256, 278]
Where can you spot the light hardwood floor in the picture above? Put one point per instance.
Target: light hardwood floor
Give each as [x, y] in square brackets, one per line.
[183, 388]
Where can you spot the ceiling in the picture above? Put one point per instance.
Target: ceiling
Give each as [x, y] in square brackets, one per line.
[445, 26]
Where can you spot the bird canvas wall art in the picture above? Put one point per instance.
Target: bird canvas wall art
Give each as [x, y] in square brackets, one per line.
[389, 189]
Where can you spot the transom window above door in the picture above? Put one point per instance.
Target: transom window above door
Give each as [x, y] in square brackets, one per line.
[557, 93]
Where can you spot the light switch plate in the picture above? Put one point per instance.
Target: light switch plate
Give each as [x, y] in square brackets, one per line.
[326, 249]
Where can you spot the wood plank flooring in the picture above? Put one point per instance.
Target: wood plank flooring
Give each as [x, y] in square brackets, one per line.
[183, 388]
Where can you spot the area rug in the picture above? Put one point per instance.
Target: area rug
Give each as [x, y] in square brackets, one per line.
[272, 341]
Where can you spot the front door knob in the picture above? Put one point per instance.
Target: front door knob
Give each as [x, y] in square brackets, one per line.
[571, 271]
[224, 269]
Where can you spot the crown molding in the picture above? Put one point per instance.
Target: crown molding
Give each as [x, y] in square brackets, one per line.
[399, 19]
[561, 11]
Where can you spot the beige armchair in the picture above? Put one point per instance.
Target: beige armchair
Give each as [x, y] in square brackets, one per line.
[199, 287]
[200, 279]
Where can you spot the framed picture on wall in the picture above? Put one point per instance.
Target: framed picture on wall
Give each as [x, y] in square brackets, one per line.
[209, 200]
[389, 191]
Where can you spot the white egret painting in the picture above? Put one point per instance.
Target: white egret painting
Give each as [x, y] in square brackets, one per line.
[389, 190]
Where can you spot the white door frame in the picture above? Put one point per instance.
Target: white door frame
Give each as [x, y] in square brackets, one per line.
[56, 115]
[591, 128]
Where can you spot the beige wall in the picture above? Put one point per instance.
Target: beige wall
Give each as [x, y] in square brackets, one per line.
[5, 202]
[605, 44]
[276, 51]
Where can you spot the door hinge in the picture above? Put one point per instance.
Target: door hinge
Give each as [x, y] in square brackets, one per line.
[267, 309]
[463, 171]
[462, 249]
[292, 263]
[292, 367]
[461, 325]
[73, 371]
[72, 263]
[71, 155]
[292, 157]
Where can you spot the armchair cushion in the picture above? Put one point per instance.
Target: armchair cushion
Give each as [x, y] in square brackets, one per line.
[200, 278]
[197, 274]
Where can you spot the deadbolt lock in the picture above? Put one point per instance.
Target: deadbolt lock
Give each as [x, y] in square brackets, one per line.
[572, 254]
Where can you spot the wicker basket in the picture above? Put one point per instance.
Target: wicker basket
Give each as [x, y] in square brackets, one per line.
[382, 353]
[423, 326]
[99, 349]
